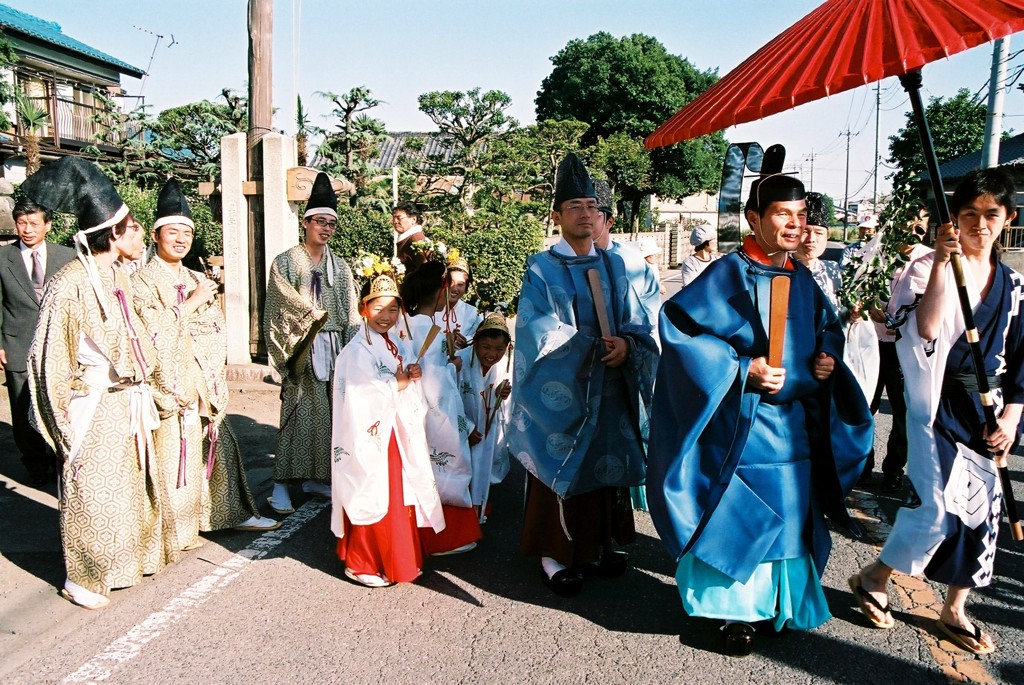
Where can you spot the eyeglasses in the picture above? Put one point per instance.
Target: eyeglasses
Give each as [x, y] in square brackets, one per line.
[579, 207]
[325, 223]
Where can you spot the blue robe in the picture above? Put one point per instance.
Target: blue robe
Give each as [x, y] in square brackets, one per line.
[578, 425]
[738, 479]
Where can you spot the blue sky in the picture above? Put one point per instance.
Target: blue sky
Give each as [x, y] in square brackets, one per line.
[401, 49]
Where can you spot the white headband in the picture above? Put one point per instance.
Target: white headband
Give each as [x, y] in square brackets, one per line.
[176, 219]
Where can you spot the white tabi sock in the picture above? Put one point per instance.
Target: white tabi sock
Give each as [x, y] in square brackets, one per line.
[550, 566]
[280, 496]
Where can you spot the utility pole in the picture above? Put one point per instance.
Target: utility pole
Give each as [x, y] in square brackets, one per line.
[994, 116]
[261, 42]
[878, 111]
[810, 186]
[846, 200]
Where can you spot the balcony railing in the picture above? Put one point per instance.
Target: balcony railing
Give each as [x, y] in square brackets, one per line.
[83, 124]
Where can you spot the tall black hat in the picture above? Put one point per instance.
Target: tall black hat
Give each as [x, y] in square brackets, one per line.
[774, 188]
[817, 212]
[322, 198]
[172, 206]
[604, 197]
[573, 180]
[77, 186]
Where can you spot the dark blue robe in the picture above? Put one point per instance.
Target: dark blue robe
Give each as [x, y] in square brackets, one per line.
[738, 477]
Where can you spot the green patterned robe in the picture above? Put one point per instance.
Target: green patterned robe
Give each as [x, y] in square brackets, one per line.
[192, 355]
[304, 441]
[109, 523]
[176, 385]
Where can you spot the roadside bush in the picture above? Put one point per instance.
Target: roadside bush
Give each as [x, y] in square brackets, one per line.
[496, 246]
[362, 229]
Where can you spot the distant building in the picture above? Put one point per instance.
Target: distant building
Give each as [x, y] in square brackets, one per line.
[63, 76]
[1011, 159]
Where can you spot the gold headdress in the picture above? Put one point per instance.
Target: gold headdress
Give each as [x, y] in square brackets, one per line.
[456, 262]
[494, 322]
[383, 285]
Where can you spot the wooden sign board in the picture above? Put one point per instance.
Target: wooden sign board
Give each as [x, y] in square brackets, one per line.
[299, 182]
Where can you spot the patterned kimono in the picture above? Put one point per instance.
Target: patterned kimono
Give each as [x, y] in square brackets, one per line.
[578, 424]
[194, 348]
[446, 426]
[176, 386]
[447, 431]
[490, 455]
[92, 403]
[951, 536]
[298, 293]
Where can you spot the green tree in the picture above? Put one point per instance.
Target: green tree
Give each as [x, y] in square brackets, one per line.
[302, 131]
[8, 93]
[496, 244]
[468, 123]
[520, 166]
[190, 134]
[957, 125]
[625, 164]
[348, 149]
[32, 117]
[128, 134]
[631, 85]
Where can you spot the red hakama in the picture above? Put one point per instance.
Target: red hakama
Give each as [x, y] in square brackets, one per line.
[461, 527]
[390, 547]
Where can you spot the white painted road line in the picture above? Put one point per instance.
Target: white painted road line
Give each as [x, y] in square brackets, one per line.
[131, 644]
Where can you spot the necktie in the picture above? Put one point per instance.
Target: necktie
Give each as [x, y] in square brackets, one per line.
[37, 273]
[180, 287]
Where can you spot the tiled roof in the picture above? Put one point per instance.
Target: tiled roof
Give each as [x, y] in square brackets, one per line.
[50, 32]
[1011, 152]
[394, 147]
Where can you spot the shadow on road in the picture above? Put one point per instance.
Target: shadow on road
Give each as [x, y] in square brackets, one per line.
[29, 530]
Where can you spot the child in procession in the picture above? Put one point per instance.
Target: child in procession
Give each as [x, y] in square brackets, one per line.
[446, 427]
[485, 383]
[383, 490]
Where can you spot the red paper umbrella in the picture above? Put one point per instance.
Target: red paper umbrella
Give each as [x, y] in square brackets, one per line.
[841, 45]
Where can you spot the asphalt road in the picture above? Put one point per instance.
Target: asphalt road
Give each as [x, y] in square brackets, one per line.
[276, 608]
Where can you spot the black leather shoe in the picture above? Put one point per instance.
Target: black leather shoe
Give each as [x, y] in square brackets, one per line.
[612, 565]
[893, 482]
[565, 583]
[739, 639]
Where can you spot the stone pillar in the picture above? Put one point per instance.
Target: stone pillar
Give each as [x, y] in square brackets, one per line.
[280, 217]
[235, 208]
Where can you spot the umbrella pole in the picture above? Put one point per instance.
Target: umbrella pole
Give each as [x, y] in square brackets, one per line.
[911, 82]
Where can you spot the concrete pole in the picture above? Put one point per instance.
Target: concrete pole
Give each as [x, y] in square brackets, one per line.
[280, 217]
[846, 194]
[233, 160]
[878, 111]
[994, 118]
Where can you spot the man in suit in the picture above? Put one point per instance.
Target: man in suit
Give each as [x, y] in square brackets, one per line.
[405, 219]
[25, 267]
